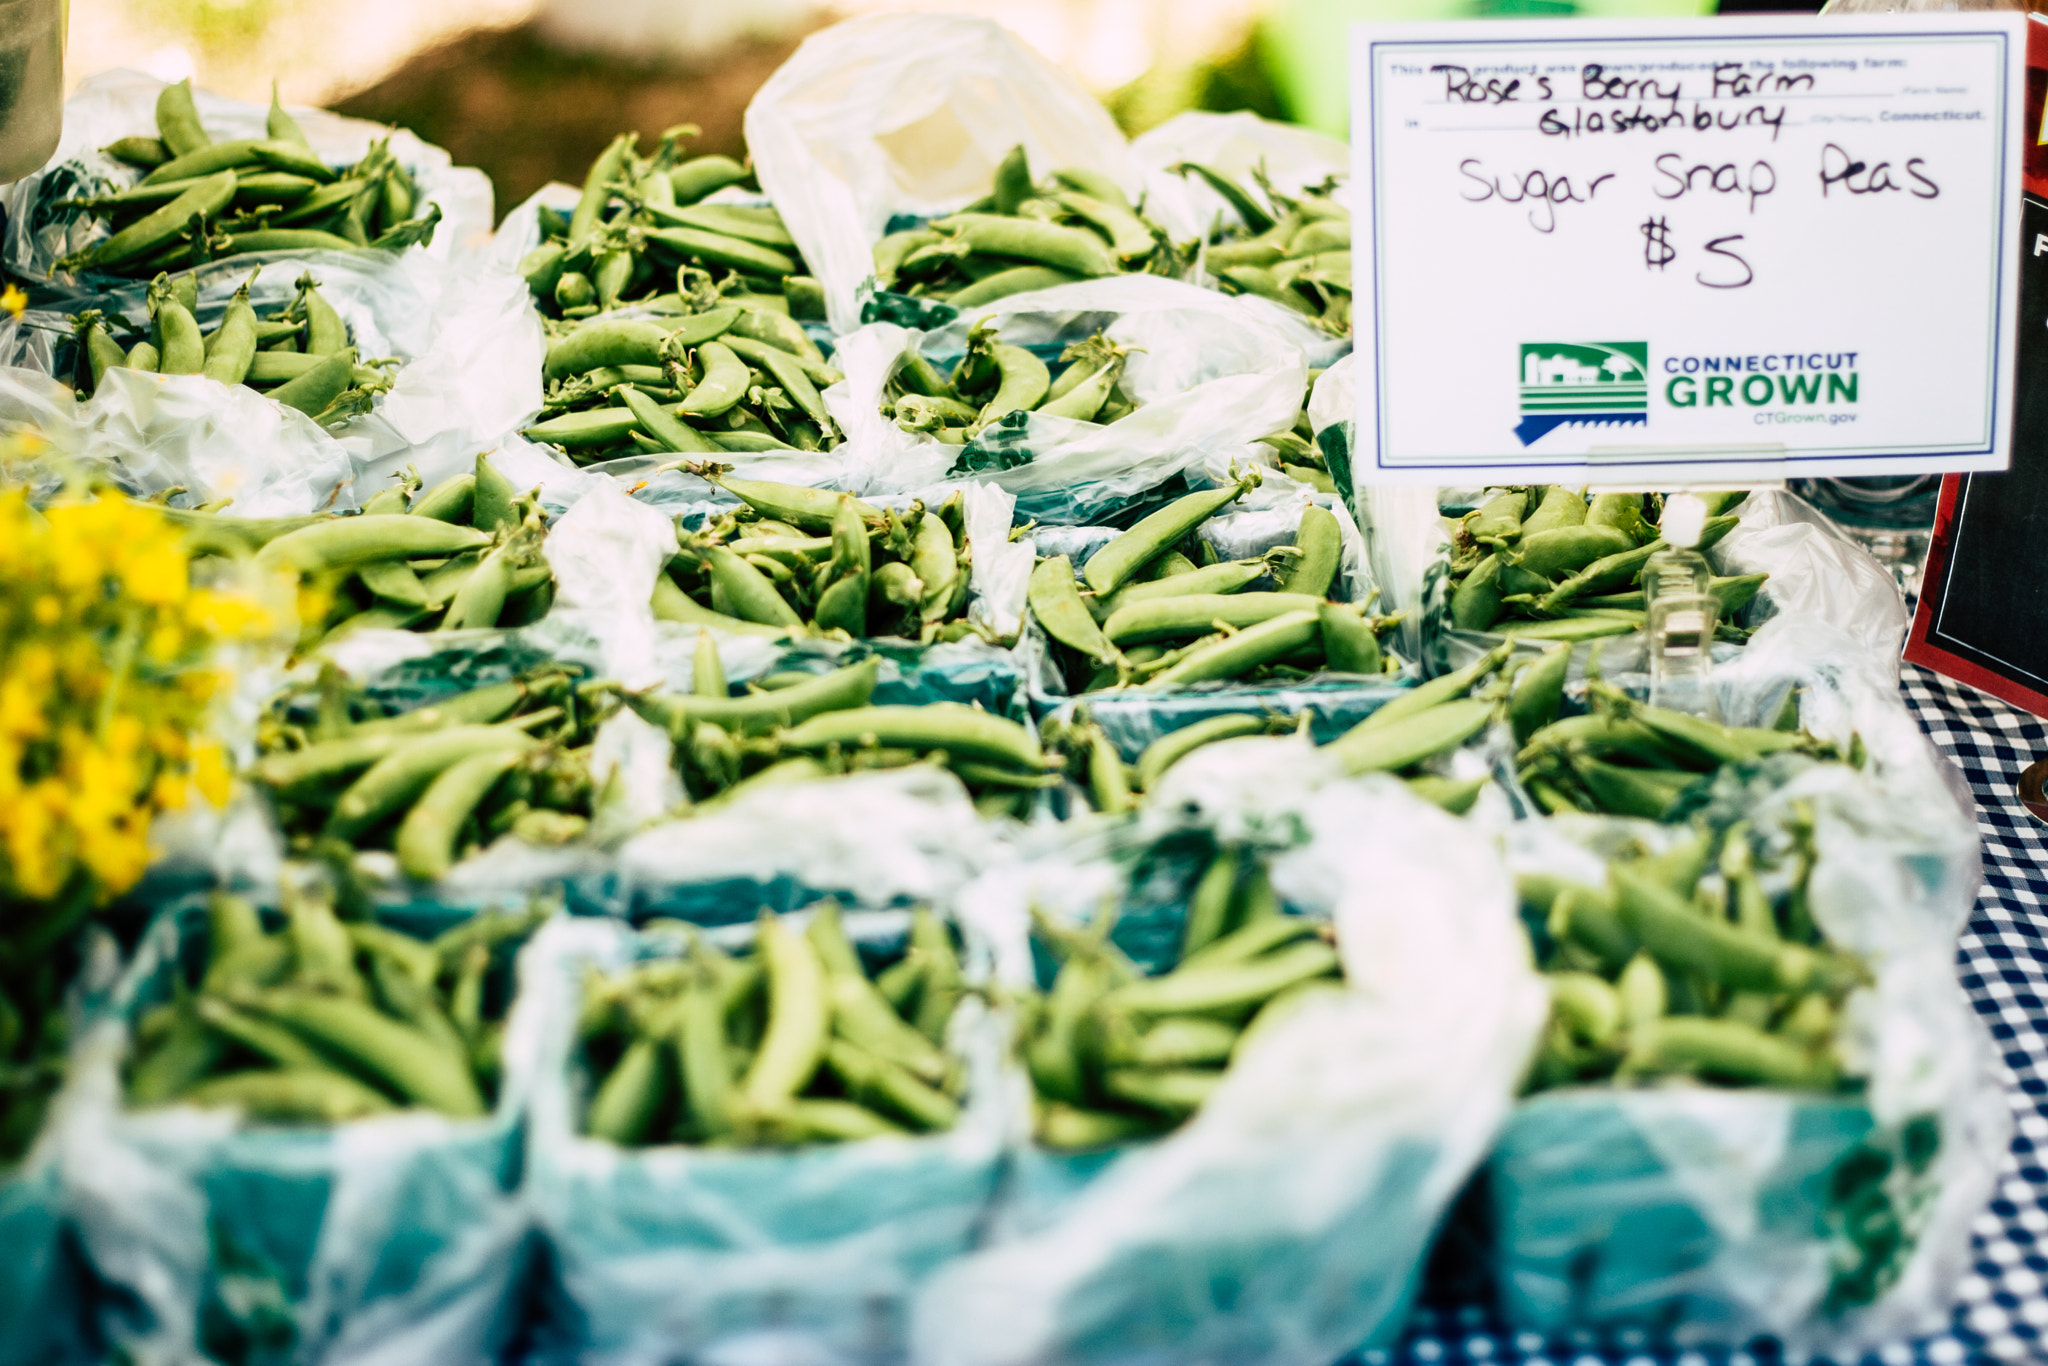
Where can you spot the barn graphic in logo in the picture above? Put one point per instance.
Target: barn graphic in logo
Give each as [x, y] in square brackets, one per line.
[1605, 383]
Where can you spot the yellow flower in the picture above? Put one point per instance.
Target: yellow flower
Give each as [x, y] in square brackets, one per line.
[210, 773]
[14, 299]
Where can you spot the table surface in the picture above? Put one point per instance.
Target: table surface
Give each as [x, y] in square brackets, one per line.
[2001, 1312]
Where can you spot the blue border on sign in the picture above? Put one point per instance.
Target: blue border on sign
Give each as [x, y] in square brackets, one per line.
[1686, 457]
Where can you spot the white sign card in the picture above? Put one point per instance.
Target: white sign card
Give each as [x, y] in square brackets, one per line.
[1685, 251]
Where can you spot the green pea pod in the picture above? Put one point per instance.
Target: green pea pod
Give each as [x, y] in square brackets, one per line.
[1588, 1006]
[792, 373]
[752, 594]
[1440, 689]
[1229, 576]
[935, 560]
[1620, 791]
[1126, 554]
[1003, 283]
[863, 1016]
[1171, 748]
[426, 838]
[1455, 795]
[1643, 994]
[349, 542]
[1736, 958]
[880, 1084]
[326, 333]
[671, 603]
[1227, 990]
[1412, 738]
[962, 731]
[1556, 508]
[597, 189]
[1350, 645]
[296, 1095]
[1172, 1043]
[280, 239]
[138, 151]
[1236, 655]
[843, 606]
[266, 1040]
[1011, 185]
[1053, 1056]
[1571, 629]
[1248, 210]
[632, 1093]
[1728, 1050]
[1622, 512]
[398, 778]
[1499, 518]
[323, 955]
[825, 1121]
[1709, 743]
[177, 119]
[1538, 693]
[318, 387]
[762, 712]
[180, 348]
[700, 176]
[1321, 543]
[1056, 604]
[1128, 236]
[142, 356]
[1070, 1128]
[1568, 549]
[280, 126]
[581, 431]
[799, 1018]
[1021, 384]
[102, 352]
[722, 249]
[1085, 400]
[1109, 783]
[491, 498]
[670, 431]
[780, 332]
[606, 341]
[724, 384]
[398, 1055]
[1209, 904]
[1071, 249]
[233, 345]
[1194, 614]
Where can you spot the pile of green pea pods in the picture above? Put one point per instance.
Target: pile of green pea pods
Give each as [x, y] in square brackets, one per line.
[202, 200]
[1295, 253]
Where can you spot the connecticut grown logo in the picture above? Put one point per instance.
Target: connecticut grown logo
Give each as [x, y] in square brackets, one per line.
[1592, 382]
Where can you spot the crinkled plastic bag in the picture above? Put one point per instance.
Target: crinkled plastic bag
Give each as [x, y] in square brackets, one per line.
[890, 838]
[1833, 1223]
[149, 433]
[468, 343]
[391, 1240]
[811, 1254]
[118, 104]
[909, 114]
[1236, 144]
[1288, 1221]
[1210, 374]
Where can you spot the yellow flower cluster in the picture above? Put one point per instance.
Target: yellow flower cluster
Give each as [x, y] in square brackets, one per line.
[107, 668]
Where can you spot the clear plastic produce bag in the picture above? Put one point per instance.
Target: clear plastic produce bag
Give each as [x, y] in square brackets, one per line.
[908, 114]
[1836, 1223]
[1210, 375]
[392, 1239]
[118, 104]
[1287, 1222]
[730, 1254]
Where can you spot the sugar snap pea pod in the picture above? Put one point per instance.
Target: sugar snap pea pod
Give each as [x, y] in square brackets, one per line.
[1209, 903]
[426, 837]
[722, 249]
[580, 431]
[1247, 209]
[1568, 549]
[1021, 385]
[1642, 992]
[1320, 542]
[724, 383]
[1168, 1090]
[729, 220]
[142, 356]
[672, 433]
[1194, 614]
[1109, 782]
[1350, 645]
[612, 273]
[280, 239]
[789, 372]
[1056, 602]
[1570, 629]
[491, 498]
[1070, 249]
[1261, 282]
[281, 126]
[322, 953]
[826, 1121]
[1071, 1128]
[277, 367]
[102, 352]
[699, 176]
[1011, 184]
[882, 1085]
[1126, 554]
[862, 1015]
[233, 345]
[1455, 795]
[207, 160]
[1587, 1005]
[1085, 400]
[402, 1057]
[573, 289]
[321, 205]
[1730, 1050]
[843, 606]
[944, 983]
[935, 560]
[760, 713]
[304, 1094]
[180, 348]
[1271, 639]
[1440, 689]
[1411, 739]
[400, 776]
[1003, 283]
[318, 387]
[1053, 1057]
[1094, 184]
[543, 268]
[1229, 576]
[799, 1019]
[896, 584]
[350, 542]
[811, 509]
[751, 593]
[1538, 693]
[414, 957]
[326, 333]
[962, 731]
[1682, 938]
[624, 1107]
[1171, 748]
[1499, 517]
[266, 1040]
[177, 119]
[597, 189]
[780, 331]
[1557, 508]
[1622, 512]
[1709, 742]
[144, 152]
[1623, 791]
[1171, 1043]
[606, 341]
[895, 248]
[1227, 990]
[1128, 236]
[671, 603]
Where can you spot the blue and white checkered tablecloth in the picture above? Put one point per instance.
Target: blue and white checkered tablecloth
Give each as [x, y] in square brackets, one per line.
[2001, 1313]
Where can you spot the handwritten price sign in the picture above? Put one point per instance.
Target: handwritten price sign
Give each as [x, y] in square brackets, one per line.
[1686, 251]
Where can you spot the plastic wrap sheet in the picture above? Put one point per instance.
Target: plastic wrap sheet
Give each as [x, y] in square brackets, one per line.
[668, 1253]
[388, 1240]
[1288, 1220]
